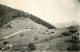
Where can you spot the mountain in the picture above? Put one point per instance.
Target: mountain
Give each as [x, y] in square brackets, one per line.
[7, 14]
[66, 24]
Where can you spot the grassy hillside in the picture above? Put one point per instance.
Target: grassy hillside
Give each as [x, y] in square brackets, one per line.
[43, 39]
[7, 14]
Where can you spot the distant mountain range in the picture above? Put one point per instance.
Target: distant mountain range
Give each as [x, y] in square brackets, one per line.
[7, 14]
[66, 24]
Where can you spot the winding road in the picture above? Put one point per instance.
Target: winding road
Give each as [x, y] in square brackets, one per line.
[16, 33]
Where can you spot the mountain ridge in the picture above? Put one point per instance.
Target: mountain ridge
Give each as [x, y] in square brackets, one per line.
[66, 24]
[8, 14]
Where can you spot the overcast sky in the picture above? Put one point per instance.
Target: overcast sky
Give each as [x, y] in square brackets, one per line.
[52, 11]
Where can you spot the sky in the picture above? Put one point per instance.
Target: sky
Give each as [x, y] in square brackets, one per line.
[52, 11]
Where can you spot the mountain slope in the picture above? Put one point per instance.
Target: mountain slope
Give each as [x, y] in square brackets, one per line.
[43, 39]
[7, 14]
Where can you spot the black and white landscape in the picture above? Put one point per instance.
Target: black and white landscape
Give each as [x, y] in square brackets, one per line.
[24, 32]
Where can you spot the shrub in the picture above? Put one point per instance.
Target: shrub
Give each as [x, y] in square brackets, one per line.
[52, 32]
[5, 42]
[31, 46]
[73, 48]
[74, 40]
[66, 34]
[36, 38]
[22, 35]
[75, 37]
[73, 31]
[44, 33]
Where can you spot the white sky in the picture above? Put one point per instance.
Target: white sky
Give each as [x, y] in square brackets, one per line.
[52, 11]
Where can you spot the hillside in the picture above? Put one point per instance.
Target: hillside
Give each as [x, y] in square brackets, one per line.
[7, 14]
[37, 37]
